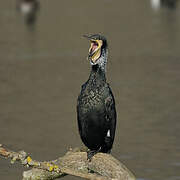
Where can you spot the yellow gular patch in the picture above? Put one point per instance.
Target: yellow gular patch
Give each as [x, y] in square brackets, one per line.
[96, 55]
[95, 49]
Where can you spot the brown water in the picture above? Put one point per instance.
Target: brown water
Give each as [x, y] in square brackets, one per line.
[43, 65]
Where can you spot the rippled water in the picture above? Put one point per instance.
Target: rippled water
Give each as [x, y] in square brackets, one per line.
[43, 64]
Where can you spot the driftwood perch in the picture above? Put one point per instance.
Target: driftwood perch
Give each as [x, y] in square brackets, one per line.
[74, 162]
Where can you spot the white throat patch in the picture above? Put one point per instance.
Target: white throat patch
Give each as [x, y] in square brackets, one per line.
[102, 60]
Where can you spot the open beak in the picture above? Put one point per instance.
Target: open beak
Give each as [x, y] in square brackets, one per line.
[93, 47]
[94, 50]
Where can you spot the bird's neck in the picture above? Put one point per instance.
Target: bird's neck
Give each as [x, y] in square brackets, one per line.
[98, 71]
[97, 74]
[103, 60]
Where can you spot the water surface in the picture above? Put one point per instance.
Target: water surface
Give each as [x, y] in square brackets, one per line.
[43, 65]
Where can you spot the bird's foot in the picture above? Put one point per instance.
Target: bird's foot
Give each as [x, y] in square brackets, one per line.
[91, 153]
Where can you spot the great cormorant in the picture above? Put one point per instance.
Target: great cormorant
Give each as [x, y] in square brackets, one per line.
[96, 111]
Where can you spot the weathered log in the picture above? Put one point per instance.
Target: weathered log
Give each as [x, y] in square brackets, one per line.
[74, 162]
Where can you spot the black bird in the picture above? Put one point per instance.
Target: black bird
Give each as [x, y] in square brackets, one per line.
[96, 111]
[29, 9]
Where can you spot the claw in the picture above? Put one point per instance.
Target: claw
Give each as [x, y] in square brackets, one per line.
[91, 153]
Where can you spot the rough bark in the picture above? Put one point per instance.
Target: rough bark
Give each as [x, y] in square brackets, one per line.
[74, 162]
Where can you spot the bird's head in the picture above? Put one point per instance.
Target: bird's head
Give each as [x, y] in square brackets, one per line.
[98, 49]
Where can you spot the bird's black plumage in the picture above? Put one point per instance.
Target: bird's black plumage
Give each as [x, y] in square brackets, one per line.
[96, 111]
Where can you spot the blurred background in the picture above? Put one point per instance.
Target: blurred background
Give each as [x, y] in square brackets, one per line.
[43, 65]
